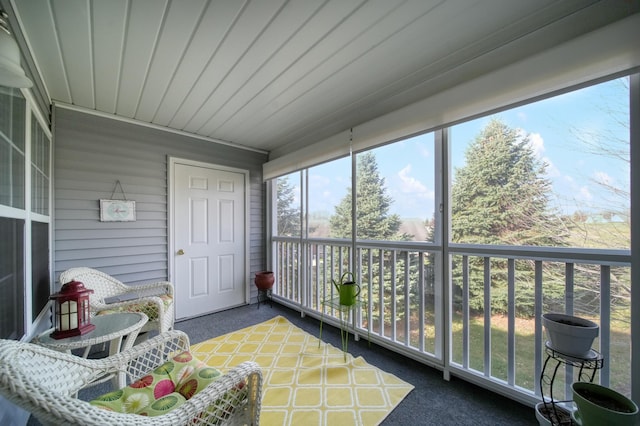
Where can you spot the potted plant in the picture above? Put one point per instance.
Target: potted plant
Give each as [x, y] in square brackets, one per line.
[552, 414]
[570, 335]
[600, 405]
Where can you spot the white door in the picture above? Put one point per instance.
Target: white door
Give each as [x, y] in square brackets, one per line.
[209, 239]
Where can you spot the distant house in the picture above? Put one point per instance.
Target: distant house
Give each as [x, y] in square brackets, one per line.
[604, 218]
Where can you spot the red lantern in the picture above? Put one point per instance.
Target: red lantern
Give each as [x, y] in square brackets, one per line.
[71, 310]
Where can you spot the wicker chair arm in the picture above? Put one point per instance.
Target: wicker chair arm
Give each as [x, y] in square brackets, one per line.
[151, 289]
[155, 300]
[61, 373]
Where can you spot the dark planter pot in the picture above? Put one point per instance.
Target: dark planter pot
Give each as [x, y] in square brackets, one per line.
[264, 280]
[599, 405]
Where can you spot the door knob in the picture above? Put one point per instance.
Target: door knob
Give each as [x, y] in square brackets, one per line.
[180, 252]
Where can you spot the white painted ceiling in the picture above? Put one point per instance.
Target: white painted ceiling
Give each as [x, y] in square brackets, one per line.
[276, 74]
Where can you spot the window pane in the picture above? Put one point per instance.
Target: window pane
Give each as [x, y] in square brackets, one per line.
[12, 116]
[329, 194]
[12, 143]
[40, 282]
[395, 191]
[552, 173]
[288, 205]
[17, 187]
[39, 169]
[11, 278]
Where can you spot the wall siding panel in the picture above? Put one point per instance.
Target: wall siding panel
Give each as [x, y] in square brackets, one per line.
[91, 154]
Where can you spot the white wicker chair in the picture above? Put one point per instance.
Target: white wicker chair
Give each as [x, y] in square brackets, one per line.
[105, 286]
[42, 381]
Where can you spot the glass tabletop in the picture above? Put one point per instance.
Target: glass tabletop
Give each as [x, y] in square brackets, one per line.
[107, 327]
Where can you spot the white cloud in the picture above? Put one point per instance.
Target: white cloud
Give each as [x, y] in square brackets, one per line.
[585, 194]
[411, 198]
[552, 169]
[536, 141]
[603, 178]
[537, 144]
[411, 184]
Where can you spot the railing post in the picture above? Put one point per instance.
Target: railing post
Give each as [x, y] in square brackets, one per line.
[465, 311]
[569, 309]
[511, 326]
[487, 316]
[538, 325]
[605, 322]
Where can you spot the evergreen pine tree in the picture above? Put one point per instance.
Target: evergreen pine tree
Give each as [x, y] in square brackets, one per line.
[288, 214]
[373, 222]
[500, 197]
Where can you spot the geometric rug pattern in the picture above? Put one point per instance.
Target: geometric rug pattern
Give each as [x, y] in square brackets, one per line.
[305, 384]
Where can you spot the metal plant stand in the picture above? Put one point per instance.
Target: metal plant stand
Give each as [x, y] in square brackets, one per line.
[587, 368]
[264, 296]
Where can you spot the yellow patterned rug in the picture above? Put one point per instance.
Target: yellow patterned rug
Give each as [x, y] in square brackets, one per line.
[304, 384]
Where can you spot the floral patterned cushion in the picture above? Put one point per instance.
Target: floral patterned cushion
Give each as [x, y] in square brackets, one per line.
[165, 388]
[148, 308]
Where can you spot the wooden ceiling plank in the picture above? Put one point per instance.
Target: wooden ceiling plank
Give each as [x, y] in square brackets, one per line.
[290, 64]
[280, 31]
[214, 27]
[108, 23]
[176, 34]
[143, 27]
[242, 35]
[361, 32]
[73, 24]
[46, 50]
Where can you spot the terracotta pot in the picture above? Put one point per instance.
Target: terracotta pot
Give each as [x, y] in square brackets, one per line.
[264, 280]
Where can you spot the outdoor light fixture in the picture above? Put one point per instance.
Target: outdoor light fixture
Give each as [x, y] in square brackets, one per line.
[11, 73]
[71, 310]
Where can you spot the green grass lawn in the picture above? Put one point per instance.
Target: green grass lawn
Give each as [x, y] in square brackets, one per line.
[619, 362]
[615, 235]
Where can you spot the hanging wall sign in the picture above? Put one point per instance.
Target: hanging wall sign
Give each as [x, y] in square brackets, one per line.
[117, 210]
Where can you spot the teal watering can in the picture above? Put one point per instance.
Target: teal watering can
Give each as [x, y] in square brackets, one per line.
[348, 290]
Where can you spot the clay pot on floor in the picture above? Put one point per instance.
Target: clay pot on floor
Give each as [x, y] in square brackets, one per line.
[264, 280]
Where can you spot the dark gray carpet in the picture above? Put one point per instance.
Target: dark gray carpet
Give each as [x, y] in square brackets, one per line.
[434, 401]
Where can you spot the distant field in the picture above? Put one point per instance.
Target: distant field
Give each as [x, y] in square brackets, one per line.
[614, 235]
[320, 228]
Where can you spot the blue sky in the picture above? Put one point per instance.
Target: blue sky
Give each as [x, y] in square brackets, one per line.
[555, 128]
